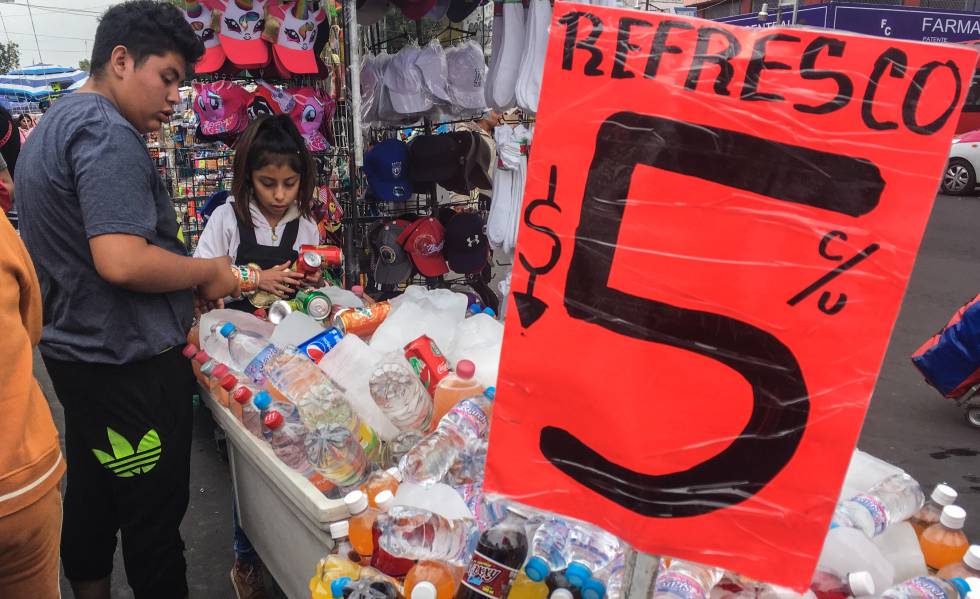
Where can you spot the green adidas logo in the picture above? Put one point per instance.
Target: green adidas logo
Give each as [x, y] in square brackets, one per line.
[124, 461]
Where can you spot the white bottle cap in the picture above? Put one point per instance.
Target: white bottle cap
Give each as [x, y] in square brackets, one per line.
[972, 557]
[562, 594]
[383, 500]
[424, 590]
[944, 494]
[861, 584]
[953, 516]
[395, 473]
[339, 530]
[356, 502]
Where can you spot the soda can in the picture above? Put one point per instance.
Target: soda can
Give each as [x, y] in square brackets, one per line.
[280, 309]
[318, 346]
[316, 304]
[308, 262]
[361, 321]
[427, 360]
[331, 256]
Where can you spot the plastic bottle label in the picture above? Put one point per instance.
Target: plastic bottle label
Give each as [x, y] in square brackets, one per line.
[927, 587]
[476, 416]
[488, 577]
[680, 585]
[877, 510]
[256, 368]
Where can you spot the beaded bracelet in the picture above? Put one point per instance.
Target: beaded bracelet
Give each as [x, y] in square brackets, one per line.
[248, 278]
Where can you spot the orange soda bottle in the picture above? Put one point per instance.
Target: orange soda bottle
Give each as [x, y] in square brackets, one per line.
[942, 496]
[968, 568]
[382, 480]
[453, 389]
[430, 579]
[525, 588]
[361, 524]
[944, 543]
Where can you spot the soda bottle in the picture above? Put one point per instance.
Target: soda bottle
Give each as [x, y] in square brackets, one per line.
[549, 549]
[499, 554]
[396, 448]
[429, 461]
[827, 585]
[944, 542]
[453, 389]
[942, 496]
[969, 567]
[250, 352]
[686, 580]
[892, 500]
[931, 587]
[332, 575]
[361, 525]
[400, 394]
[416, 534]
[431, 580]
[340, 533]
[288, 442]
[590, 549]
[337, 455]
[381, 558]
[381, 480]
[524, 587]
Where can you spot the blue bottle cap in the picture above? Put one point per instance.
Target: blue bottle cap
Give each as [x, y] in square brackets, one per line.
[577, 573]
[490, 393]
[961, 585]
[593, 589]
[227, 329]
[262, 400]
[337, 586]
[489, 312]
[474, 309]
[537, 569]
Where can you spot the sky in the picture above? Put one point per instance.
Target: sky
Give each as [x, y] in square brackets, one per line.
[65, 29]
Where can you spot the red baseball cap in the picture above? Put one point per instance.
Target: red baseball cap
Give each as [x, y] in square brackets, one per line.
[423, 241]
[204, 21]
[293, 49]
[242, 24]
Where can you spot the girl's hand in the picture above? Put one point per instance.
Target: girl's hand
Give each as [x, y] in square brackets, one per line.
[314, 278]
[279, 280]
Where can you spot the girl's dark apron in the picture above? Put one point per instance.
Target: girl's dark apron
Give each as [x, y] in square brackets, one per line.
[266, 256]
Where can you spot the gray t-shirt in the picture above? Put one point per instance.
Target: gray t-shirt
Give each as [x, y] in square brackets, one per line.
[83, 172]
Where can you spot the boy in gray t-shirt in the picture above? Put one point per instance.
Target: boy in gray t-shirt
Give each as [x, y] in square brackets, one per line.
[118, 301]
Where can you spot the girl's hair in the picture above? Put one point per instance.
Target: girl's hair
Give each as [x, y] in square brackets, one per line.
[271, 140]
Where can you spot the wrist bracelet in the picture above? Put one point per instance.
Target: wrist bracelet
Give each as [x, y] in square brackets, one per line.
[248, 278]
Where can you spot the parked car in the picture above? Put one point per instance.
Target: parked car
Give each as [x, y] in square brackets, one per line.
[960, 177]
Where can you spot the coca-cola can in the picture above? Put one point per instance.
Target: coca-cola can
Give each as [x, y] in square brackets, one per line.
[331, 256]
[308, 262]
[428, 361]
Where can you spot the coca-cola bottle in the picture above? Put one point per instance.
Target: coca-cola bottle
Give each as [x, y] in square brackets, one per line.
[499, 554]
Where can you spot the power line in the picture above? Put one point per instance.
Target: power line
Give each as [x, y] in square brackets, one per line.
[34, 29]
[75, 11]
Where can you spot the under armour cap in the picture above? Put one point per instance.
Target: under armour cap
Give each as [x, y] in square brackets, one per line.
[386, 168]
[467, 74]
[467, 248]
[403, 80]
[370, 12]
[298, 26]
[205, 23]
[242, 25]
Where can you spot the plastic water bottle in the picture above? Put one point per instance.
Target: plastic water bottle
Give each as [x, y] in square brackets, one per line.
[614, 581]
[470, 464]
[250, 415]
[848, 550]
[337, 455]
[590, 549]
[830, 585]
[932, 587]
[686, 580]
[366, 588]
[400, 394]
[549, 548]
[250, 352]
[942, 496]
[382, 559]
[429, 461]
[419, 534]
[288, 442]
[892, 500]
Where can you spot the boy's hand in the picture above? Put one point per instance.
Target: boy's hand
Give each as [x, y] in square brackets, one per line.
[222, 283]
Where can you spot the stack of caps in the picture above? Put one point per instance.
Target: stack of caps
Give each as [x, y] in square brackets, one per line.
[370, 12]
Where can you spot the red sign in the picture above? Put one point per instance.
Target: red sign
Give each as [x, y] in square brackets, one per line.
[719, 224]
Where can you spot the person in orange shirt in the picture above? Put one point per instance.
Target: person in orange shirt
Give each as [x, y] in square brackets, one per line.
[31, 465]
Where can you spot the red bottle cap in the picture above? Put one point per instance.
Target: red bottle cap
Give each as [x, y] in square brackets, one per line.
[261, 313]
[465, 369]
[201, 357]
[228, 382]
[189, 350]
[219, 371]
[273, 420]
[242, 395]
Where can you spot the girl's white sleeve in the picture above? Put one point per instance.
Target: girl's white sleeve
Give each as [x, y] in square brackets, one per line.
[308, 233]
[215, 239]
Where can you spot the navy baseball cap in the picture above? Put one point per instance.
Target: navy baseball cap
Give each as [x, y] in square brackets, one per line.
[386, 168]
[467, 248]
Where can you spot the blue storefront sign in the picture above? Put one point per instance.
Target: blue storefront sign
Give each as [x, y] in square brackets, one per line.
[899, 22]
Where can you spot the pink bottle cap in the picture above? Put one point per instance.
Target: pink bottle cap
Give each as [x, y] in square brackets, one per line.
[228, 382]
[219, 371]
[189, 350]
[465, 369]
[201, 357]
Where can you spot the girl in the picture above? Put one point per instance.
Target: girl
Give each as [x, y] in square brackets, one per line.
[268, 216]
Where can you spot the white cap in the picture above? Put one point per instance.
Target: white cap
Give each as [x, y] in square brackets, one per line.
[467, 74]
[395, 473]
[356, 502]
[562, 594]
[431, 62]
[424, 590]
[383, 500]
[953, 516]
[339, 530]
[944, 494]
[972, 557]
[861, 583]
[403, 80]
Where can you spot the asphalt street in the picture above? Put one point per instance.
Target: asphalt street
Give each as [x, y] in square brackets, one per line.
[909, 424]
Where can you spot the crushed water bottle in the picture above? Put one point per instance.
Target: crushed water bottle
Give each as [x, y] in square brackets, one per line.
[895, 499]
[417, 534]
[400, 394]
[686, 580]
[429, 461]
[590, 549]
[337, 455]
[549, 548]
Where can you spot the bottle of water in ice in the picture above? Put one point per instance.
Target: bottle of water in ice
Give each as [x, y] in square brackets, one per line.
[590, 549]
[549, 548]
[932, 587]
[470, 464]
[250, 352]
[400, 394]
[686, 580]
[288, 441]
[429, 461]
[895, 499]
[336, 454]
[418, 534]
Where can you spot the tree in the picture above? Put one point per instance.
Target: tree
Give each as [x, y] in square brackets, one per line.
[85, 65]
[9, 57]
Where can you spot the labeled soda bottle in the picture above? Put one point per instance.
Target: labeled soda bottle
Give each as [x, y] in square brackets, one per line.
[944, 543]
[499, 554]
[453, 389]
[968, 568]
[361, 524]
[381, 480]
[431, 579]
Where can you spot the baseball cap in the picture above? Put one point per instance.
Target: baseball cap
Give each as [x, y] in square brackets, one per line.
[221, 106]
[436, 158]
[298, 24]
[414, 9]
[386, 168]
[205, 22]
[460, 9]
[241, 28]
[431, 62]
[467, 249]
[423, 240]
[467, 73]
[270, 100]
[438, 10]
[474, 173]
[403, 80]
[391, 264]
[371, 85]
[370, 12]
[309, 113]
